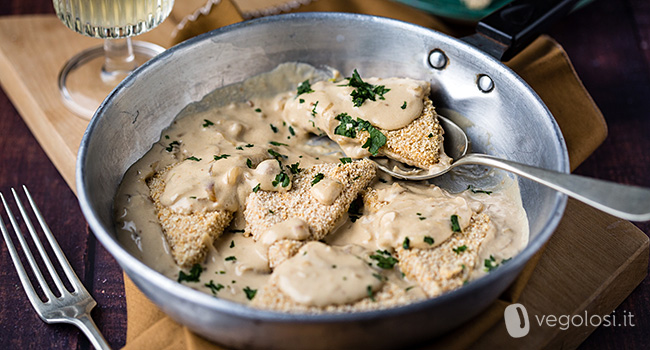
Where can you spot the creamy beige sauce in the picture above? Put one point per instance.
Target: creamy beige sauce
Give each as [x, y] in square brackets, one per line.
[222, 152]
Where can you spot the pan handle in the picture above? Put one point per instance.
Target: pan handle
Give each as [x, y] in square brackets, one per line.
[507, 31]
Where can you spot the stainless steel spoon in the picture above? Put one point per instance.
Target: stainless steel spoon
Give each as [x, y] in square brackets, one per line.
[623, 201]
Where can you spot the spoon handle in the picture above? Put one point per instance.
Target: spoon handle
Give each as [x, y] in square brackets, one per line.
[623, 201]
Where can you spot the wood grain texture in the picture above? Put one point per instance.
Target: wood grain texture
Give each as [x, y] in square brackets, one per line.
[608, 42]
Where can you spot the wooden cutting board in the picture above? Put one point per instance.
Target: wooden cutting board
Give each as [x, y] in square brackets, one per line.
[591, 264]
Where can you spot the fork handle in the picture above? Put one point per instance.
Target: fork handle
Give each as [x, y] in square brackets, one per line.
[88, 326]
[623, 201]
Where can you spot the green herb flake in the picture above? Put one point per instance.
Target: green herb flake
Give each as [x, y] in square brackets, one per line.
[384, 259]
[194, 159]
[348, 127]
[403, 106]
[207, 123]
[250, 293]
[409, 288]
[354, 212]
[223, 156]
[345, 160]
[281, 178]
[222, 272]
[192, 197]
[406, 244]
[317, 178]
[274, 143]
[304, 88]
[232, 244]
[256, 188]
[291, 131]
[231, 258]
[214, 288]
[249, 163]
[455, 227]
[430, 135]
[276, 155]
[371, 295]
[170, 148]
[364, 91]
[460, 249]
[239, 148]
[166, 137]
[294, 168]
[193, 276]
[237, 231]
[274, 128]
[490, 264]
[428, 240]
[249, 145]
[302, 100]
[313, 112]
[258, 110]
[475, 190]
[505, 260]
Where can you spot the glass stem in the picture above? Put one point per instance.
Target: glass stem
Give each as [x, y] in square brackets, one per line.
[119, 60]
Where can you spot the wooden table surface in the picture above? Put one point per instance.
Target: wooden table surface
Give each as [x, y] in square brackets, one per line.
[608, 42]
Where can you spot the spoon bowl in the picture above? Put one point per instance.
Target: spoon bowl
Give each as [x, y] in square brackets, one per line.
[624, 201]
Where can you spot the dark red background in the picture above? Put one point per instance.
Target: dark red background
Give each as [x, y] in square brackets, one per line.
[608, 42]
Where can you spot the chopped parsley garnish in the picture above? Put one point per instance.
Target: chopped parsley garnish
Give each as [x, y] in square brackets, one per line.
[194, 159]
[348, 127]
[379, 277]
[403, 106]
[232, 244]
[407, 243]
[274, 143]
[475, 190]
[250, 293]
[430, 135]
[223, 156]
[166, 137]
[313, 110]
[354, 212]
[281, 178]
[371, 295]
[455, 227]
[249, 145]
[460, 249]
[195, 274]
[345, 160]
[428, 240]
[258, 110]
[249, 163]
[384, 259]
[274, 128]
[231, 258]
[239, 148]
[214, 287]
[237, 231]
[364, 91]
[192, 197]
[422, 218]
[317, 178]
[207, 123]
[276, 155]
[271, 212]
[505, 260]
[304, 88]
[170, 148]
[291, 131]
[490, 264]
[302, 100]
[409, 288]
[294, 168]
[222, 272]
[256, 188]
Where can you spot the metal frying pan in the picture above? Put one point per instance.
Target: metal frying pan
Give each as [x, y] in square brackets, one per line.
[507, 119]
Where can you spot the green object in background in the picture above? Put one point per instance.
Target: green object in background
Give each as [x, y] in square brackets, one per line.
[457, 10]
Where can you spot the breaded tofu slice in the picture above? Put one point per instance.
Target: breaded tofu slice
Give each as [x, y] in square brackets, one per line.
[283, 250]
[418, 144]
[188, 235]
[271, 297]
[448, 266]
[267, 208]
[445, 267]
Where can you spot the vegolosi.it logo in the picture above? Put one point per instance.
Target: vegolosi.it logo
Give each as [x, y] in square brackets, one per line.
[517, 322]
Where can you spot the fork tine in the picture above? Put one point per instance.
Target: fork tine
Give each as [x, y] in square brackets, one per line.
[38, 244]
[27, 285]
[63, 261]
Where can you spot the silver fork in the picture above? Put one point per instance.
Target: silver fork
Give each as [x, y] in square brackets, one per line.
[72, 306]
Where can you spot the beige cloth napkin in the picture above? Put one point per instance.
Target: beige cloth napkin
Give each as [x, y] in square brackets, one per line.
[544, 65]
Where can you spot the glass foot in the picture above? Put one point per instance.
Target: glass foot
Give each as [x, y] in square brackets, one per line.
[84, 83]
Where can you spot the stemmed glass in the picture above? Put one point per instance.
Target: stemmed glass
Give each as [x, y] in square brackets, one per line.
[87, 78]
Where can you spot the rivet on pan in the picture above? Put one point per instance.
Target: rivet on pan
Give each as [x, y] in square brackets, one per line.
[437, 59]
[485, 83]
